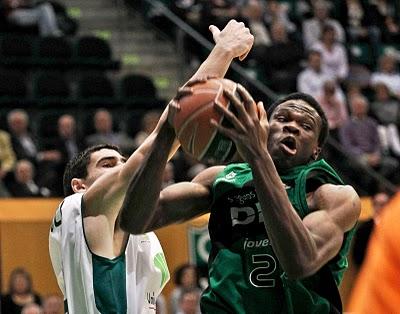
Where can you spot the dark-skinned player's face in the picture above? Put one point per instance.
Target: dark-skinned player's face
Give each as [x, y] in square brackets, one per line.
[294, 130]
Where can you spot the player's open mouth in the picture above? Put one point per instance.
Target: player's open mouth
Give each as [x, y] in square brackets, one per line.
[288, 145]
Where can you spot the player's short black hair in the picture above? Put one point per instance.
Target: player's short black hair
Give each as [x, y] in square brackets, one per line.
[324, 132]
[77, 166]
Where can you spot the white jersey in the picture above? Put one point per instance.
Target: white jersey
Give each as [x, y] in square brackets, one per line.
[129, 283]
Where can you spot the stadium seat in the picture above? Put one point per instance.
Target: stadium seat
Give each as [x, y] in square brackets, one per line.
[94, 52]
[54, 51]
[51, 90]
[96, 90]
[13, 89]
[16, 51]
[138, 91]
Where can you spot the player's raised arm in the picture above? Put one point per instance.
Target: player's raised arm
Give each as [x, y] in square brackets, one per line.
[233, 41]
[106, 194]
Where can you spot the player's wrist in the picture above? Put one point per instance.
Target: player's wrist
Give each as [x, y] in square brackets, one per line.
[224, 52]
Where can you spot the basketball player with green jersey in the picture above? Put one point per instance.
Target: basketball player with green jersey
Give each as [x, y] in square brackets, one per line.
[280, 222]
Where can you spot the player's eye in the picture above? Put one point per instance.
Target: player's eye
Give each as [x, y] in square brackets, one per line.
[281, 119]
[307, 127]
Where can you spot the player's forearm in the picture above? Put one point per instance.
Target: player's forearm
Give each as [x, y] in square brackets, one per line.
[216, 64]
[290, 239]
[143, 191]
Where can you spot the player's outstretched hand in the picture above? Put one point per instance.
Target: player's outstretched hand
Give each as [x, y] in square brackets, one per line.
[235, 38]
[250, 124]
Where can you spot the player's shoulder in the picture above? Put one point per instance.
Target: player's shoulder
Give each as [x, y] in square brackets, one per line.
[207, 176]
[71, 203]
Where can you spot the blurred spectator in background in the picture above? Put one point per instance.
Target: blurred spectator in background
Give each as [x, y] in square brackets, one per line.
[23, 142]
[387, 74]
[169, 175]
[219, 12]
[360, 139]
[312, 79]
[161, 305]
[281, 69]
[103, 124]
[7, 161]
[333, 54]
[148, 123]
[377, 286]
[277, 12]
[32, 308]
[189, 301]
[25, 146]
[67, 143]
[334, 106]
[384, 107]
[357, 19]
[20, 292]
[53, 304]
[186, 278]
[23, 184]
[364, 229]
[253, 11]
[27, 13]
[385, 14]
[312, 28]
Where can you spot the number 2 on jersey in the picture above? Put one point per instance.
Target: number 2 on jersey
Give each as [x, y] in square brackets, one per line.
[265, 266]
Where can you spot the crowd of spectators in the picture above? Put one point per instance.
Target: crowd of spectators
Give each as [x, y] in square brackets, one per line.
[21, 297]
[315, 46]
[299, 45]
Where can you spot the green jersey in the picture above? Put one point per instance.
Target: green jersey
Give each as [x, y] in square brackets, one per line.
[244, 272]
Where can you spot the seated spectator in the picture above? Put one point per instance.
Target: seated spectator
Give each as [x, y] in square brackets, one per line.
[385, 14]
[7, 161]
[277, 12]
[26, 13]
[253, 12]
[189, 302]
[312, 79]
[23, 184]
[186, 277]
[25, 146]
[333, 53]
[67, 144]
[360, 139]
[334, 107]
[365, 228]
[312, 28]
[20, 292]
[53, 304]
[219, 12]
[32, 308]
[148, 123]
[356, 17]
[103, 124]
[387, 74]
[281, 69]
[386, 110]
[161, 305]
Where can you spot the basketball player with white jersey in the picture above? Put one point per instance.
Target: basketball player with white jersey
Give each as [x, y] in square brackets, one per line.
[99, 267]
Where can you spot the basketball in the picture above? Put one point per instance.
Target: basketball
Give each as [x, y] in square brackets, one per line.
[192, 123]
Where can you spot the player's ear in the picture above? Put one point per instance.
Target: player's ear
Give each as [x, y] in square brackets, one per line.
[78, 185]
[316, 153]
